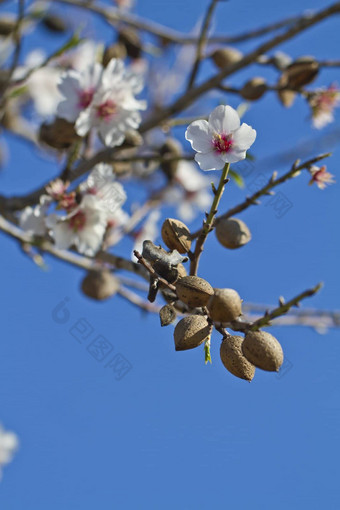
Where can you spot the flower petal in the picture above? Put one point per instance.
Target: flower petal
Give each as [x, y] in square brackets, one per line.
[244, 137]
[209, 161]
[233, 156]
[199, 134]
[224, 119]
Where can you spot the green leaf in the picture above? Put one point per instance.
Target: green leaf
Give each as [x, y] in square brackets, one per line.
[237, 178]
[207, 356]
[18, 91]
[71, 43]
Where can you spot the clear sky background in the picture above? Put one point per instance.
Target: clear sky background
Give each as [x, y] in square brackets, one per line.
[174, 433]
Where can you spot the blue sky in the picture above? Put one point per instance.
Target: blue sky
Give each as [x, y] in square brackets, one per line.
[174, 433]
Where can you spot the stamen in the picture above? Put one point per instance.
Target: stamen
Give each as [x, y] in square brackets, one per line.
[106, 110]
[222, 143]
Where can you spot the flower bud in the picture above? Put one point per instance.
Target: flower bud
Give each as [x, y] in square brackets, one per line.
[7, 25]
[54, 23]
[254, 89]
[99, 285]
[117, 50]
[176, 235]
[232, 233]
[194, 291]
[171, 147]
[190, 332]
[233, 359]
[130, 38]
[301, 72]
[59, 135]
[263, 350]
[224, 57]
[225, 305]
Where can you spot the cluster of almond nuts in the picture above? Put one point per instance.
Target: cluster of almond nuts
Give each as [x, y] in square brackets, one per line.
[208, 306]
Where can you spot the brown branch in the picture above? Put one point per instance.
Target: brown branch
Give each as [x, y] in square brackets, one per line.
[283, 308]
[187, 99]
[17, 37]
[18, 202]
[113, 16]
[136, 300]
[70, 257]
[202, 40]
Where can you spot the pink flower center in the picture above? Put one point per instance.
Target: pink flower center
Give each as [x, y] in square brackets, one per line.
[106, 110]
[222, 143]
[77, 222]
[85, 98]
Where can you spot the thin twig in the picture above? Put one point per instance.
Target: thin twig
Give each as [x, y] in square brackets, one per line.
[136, 300]
[152, 272]
[17, 50]
[201, 43]
[70, 257]
[283, 308]
[114, 16]
[265, 190]
[208, 223]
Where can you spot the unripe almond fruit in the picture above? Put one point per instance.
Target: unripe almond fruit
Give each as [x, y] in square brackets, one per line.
[117, 50]
[194, 291]
[232, 233]
[60, 134]
[190, 332]
[224, 57]
[99, 285]
[263, 350]
[233, 358]
[225, 305]
[171, 147]
[176, 235]
[254, 89]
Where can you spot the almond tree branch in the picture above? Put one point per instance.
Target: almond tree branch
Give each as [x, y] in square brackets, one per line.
[208, 223]
[73, 258]
[17, 38]
[265, 190]
[187, 99]
[113, 16]
[283, 308]
[201, 43]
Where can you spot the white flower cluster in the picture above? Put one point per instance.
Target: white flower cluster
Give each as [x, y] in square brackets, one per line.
[103, 99]
[8, 445]
[84, 224]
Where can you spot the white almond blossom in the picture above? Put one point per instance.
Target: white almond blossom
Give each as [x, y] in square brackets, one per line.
[103, 99]
[83, 228]
[220, 140]
[102, 184]
[42, 84]
[32, 219]
[8, 445]
[78, 89]
[191, 194]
